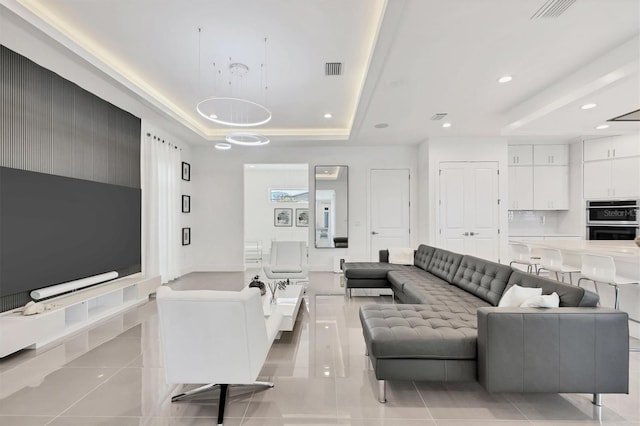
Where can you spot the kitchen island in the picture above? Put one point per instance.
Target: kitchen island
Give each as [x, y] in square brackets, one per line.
[626, 256]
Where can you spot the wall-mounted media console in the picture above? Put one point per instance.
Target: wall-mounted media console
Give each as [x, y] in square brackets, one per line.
[72, 312]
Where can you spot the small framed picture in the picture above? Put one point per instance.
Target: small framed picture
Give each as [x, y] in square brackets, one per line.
[282, 217]
[186, 203]
[302, 217]
[186, 171]
[186, 236]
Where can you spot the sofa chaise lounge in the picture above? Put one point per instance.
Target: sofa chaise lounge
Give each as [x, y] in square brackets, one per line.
[449, 328]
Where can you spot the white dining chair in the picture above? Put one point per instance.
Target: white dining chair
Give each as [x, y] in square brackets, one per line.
[288, 261]
[602, 269]
[521, 255]
[551, 260]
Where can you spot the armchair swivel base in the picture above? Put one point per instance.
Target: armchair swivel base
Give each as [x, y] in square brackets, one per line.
[207, 390]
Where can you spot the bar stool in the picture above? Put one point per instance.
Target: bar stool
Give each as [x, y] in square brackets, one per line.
[598, 268]
[521, 255]
[551, 260]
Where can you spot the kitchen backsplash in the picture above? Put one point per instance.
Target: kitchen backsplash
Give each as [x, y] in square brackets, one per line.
[533, 222]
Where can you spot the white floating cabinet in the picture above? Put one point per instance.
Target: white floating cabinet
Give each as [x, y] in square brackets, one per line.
[72, 312]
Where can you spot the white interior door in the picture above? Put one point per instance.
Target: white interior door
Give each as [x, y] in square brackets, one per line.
[469, 209]
[389, 210]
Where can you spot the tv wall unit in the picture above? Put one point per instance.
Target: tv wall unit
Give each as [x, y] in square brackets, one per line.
[72, 312]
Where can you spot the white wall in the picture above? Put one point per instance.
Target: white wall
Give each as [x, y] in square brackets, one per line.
[463, 149]
[259, 210]
[218, 232]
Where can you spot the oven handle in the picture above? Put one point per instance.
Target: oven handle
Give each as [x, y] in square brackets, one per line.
[615, 224]
[630, 206]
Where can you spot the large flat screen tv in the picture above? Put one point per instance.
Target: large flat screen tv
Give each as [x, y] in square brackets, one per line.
[55, 229]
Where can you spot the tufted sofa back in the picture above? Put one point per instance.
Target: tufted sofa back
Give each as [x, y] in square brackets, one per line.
[444, 264]
[484, 279]
[423, 255]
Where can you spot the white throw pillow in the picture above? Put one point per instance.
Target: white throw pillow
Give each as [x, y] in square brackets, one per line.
[401, 256]
[516, 295]
[546, 301]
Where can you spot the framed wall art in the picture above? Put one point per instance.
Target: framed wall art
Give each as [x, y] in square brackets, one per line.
[186, 171]
[186, 204]
[302, 217]
[282, 217]
[186, 236]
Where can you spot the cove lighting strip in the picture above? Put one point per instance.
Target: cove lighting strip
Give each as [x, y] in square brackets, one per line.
[43, 293]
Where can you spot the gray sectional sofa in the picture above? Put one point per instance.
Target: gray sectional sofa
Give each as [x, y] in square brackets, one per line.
[449, 328]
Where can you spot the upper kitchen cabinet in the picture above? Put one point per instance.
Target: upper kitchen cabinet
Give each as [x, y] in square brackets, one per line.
[550, 188]
[612, 147]
[520, 155]
[538, 177]
[612, 167]
[551, 155]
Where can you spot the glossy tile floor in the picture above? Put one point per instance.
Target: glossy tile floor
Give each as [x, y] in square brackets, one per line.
[111, 375]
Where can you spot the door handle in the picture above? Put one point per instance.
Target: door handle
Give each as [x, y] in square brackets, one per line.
[374, 233]
[474, 233]
[466, 234]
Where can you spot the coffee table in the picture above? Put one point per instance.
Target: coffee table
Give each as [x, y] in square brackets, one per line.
[288, 303]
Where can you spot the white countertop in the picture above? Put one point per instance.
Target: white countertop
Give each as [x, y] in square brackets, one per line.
[616, 248]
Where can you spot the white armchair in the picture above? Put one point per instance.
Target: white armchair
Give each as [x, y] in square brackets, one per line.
[217, 337]
[287, 261]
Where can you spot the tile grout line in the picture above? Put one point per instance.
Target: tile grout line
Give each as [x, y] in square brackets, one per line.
[415, 386]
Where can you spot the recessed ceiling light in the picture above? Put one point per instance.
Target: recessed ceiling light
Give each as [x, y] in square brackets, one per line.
[381, 126]
[223, 146]
[505, 79]
[602, 127]
[213, 116]
[588, 106]
[328, 115]
[446, 125]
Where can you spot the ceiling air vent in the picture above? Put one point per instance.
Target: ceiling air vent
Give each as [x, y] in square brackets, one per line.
[438, 116]
[553, 9]
[333, 68]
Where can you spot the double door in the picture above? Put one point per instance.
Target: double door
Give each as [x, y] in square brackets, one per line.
[469, 208]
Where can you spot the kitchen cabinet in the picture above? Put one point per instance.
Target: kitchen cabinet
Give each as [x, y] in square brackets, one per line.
[551, 188]
[611, 167]
[597, 179]
[520, 188]
[551, 155]
[538, 177]
[617, 178]
[520, 155]
[611, 147]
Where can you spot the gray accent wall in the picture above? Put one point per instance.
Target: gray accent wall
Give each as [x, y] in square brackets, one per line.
[51, 125]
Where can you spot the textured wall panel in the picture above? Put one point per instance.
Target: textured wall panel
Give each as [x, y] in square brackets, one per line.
[51, 125]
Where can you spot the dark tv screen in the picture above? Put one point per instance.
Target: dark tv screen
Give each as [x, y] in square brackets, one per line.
[55, 229]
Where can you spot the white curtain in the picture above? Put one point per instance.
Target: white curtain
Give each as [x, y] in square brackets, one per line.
[161, 168]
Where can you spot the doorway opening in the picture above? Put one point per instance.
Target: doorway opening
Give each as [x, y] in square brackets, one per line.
[276, 203]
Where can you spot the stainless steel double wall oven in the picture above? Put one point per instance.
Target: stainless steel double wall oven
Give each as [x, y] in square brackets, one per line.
[613, 220]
